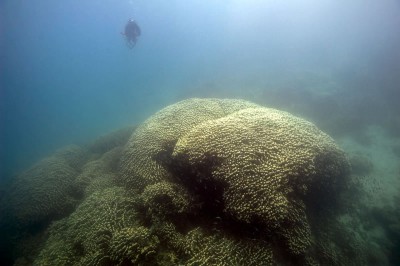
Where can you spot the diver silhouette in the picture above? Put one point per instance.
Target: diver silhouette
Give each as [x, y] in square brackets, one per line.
[131, 33]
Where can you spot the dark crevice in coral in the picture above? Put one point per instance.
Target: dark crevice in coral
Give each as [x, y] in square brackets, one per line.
[208, 195]
[164, 156]
[79, 249]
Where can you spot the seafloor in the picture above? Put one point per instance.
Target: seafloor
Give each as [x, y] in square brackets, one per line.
[207, 182]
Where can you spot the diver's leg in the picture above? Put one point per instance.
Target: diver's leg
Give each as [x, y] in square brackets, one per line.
[129, 44]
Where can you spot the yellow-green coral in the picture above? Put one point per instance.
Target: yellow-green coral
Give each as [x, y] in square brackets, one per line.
[204, 250]
[100, 173]
[203, 182]
[52, 188]
[84, 237]
[44, 192]
[265, 162]
[134, 245]
[250, 164]
[73, 155]
[152, 142]
[165, 198]
[111, 140]
[199, 247]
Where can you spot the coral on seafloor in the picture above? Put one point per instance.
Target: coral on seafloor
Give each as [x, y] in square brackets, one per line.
[103, 229]
[201, 182]
[45, 191]
[264, 166]
[154, 140]
[51, 190]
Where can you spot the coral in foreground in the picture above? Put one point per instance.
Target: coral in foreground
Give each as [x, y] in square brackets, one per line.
[210, 182]
[153, 141]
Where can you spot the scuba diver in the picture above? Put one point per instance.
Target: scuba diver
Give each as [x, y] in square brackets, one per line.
[131, 33]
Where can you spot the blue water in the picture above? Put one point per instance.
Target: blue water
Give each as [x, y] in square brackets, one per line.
[67, 75]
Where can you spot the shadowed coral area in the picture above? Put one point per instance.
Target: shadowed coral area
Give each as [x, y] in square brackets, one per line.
[153, 141]
[202, 182]
[165, 199]
[219, 250]
[91, 235]
[110, 141]
[51, 190]
[99, 173]
[262, 164]
[46, 191]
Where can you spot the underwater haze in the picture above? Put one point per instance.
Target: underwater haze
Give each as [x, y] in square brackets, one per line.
[68, 76]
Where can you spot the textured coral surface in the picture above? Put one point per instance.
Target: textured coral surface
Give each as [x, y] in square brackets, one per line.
[153, 141]
[45, 191]
[201, 182]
